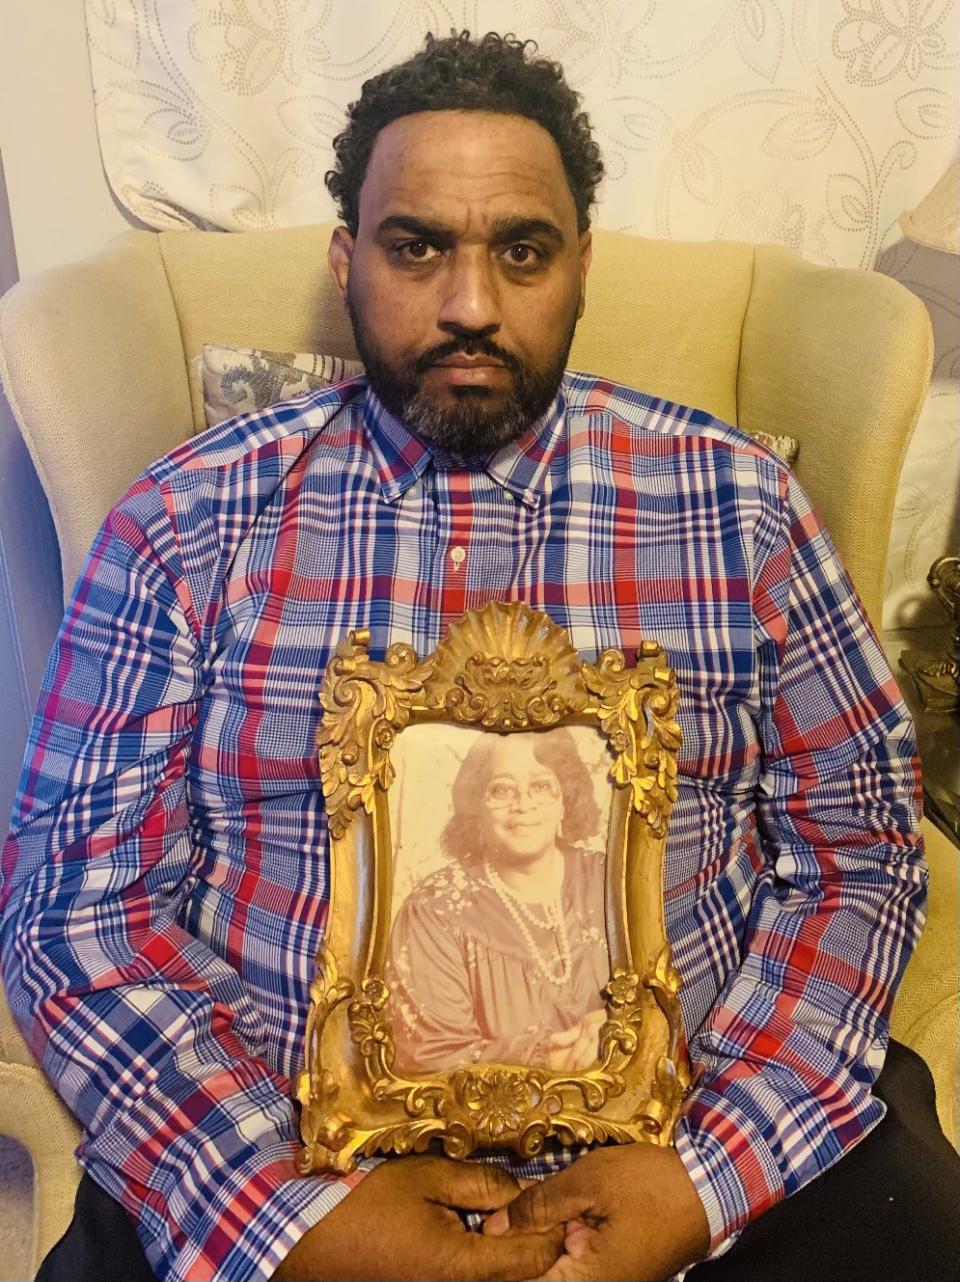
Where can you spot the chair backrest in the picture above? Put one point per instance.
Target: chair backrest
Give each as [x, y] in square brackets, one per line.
[96, 357]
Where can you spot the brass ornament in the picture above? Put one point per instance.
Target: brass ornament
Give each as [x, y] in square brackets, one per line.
[507, 671]
[638, 709]
[937, 674]
[322, 1128]
[365, 704]
[504, 668]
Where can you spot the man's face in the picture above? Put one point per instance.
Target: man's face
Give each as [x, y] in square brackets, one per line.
[465, 280]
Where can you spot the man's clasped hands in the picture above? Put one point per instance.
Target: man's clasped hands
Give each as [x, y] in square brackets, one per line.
[628, 1212]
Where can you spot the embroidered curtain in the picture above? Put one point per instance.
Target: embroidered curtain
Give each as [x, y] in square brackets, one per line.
[811, 123]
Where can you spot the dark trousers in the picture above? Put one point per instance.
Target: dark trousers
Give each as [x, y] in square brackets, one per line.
[888, 1212]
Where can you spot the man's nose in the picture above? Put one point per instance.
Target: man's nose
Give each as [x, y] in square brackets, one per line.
[471, 297]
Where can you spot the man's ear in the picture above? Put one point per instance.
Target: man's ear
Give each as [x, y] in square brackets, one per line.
[339, 257]
[586, 257]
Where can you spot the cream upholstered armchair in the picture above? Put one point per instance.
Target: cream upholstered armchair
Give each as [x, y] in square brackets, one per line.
[96, 361]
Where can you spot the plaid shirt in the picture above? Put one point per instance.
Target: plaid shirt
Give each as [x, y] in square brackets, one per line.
[166, 874]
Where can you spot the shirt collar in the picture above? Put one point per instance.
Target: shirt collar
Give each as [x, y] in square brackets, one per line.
[521, 466]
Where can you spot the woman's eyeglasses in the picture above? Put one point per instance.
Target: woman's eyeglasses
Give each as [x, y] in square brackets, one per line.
[501, 794]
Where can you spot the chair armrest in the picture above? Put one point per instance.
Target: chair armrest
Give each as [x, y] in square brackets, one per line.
[32, 1113]
[926, 1014]
[840, 360]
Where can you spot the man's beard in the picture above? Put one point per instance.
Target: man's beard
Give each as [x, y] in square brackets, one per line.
[471, 427]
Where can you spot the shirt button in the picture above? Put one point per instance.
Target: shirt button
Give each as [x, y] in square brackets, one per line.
[457, 556]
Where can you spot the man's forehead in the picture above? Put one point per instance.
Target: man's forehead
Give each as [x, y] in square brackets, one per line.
[458, 166]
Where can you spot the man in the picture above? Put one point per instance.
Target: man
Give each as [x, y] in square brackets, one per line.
[166, 876]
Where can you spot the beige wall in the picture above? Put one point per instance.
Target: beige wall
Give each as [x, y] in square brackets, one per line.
[60, 205]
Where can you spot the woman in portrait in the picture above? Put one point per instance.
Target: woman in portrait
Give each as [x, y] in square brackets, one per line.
[501, 954]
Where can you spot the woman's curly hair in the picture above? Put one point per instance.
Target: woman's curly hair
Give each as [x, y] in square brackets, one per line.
[494, 73]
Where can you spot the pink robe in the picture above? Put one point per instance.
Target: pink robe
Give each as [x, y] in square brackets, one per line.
[464, 987]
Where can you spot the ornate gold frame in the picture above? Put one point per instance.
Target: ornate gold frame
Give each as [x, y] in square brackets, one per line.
[504, 668]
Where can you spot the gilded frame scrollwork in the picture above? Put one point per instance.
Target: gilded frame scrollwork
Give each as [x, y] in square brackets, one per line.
[503, 668]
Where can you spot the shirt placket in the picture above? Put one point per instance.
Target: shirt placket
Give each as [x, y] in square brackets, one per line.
[455, 513]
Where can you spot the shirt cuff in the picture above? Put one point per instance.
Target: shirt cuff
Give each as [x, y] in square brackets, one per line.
[732, 1169]
[257, 1216]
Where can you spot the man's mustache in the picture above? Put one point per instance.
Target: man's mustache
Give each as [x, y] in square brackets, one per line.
[467, 347]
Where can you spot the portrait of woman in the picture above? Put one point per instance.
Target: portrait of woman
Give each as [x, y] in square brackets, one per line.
[501, 953]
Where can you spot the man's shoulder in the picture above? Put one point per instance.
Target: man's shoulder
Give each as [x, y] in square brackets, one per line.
[199, 501]
[640, 416]
[237, 444]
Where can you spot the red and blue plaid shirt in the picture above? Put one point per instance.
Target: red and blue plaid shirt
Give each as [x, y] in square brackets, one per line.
[166, 874]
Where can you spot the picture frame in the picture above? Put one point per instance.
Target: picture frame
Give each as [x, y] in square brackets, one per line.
[501, 671]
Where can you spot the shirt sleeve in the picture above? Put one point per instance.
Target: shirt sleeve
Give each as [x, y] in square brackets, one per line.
[150, 1037]
[784, 1064]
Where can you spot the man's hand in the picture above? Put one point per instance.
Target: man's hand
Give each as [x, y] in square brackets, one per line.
[576, 1047]
[401, 1221]
[629, 1213]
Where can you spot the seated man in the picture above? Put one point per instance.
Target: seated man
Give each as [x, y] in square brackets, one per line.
[166, 875]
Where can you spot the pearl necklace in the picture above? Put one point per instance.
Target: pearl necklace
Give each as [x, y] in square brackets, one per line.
[521, 914]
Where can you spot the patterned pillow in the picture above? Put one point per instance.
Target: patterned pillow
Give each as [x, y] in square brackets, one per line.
[788, 447]
[239, 379]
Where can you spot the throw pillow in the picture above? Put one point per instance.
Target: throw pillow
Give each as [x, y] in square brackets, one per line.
[239, 379]
[788, 447]
[236, 380]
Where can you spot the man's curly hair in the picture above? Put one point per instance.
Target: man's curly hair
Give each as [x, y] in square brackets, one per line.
[495, 73]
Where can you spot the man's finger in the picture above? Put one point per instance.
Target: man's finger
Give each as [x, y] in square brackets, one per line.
[512, 1259]
[565, 1270]
[474, 1186]
[543, 1206]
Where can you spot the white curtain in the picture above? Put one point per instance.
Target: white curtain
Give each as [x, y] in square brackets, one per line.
[812, 123]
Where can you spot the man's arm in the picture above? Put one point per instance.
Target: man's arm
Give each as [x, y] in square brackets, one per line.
[151, 1038]
[784, 1063]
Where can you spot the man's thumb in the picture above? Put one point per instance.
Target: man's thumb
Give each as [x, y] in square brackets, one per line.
[542, 1206]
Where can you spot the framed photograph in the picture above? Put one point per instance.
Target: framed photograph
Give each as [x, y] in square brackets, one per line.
[495, 970]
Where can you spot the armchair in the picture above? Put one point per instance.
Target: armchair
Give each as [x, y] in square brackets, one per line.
[96, 361]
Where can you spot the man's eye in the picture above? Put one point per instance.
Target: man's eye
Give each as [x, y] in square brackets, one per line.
[522, 255]
[418, 251]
